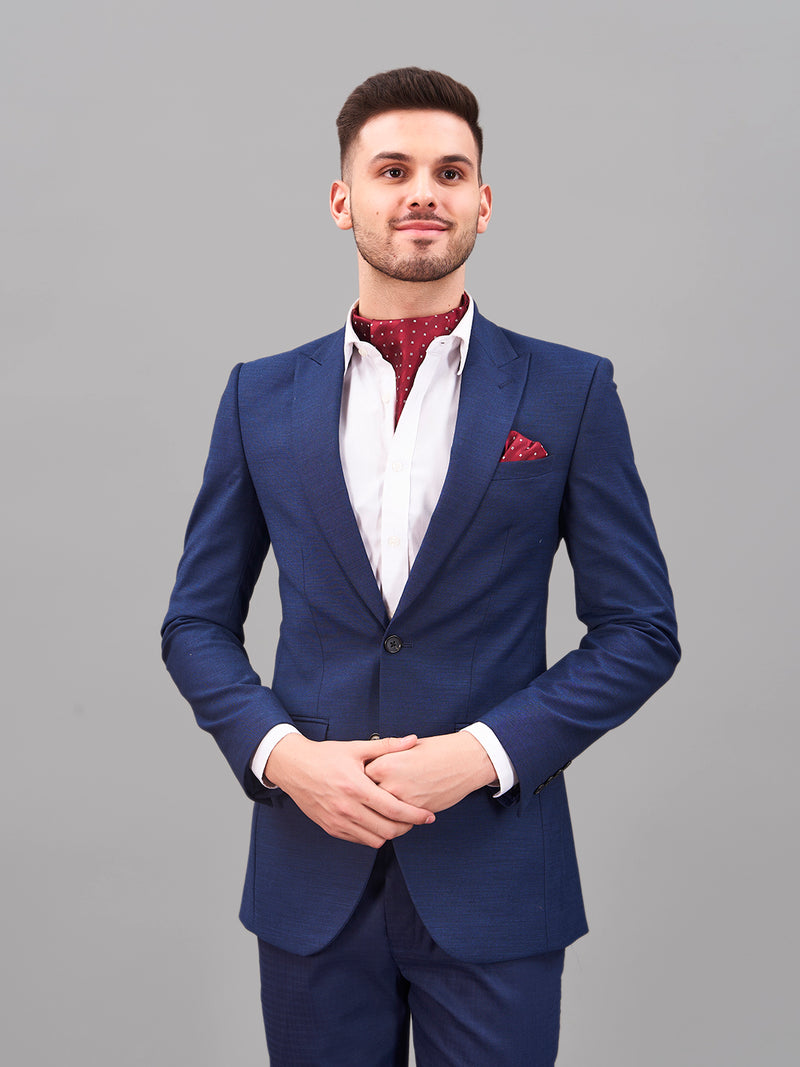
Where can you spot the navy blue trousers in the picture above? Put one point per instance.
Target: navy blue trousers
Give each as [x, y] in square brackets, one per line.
[349, 1005]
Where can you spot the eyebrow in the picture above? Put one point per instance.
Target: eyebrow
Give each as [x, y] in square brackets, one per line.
[401, 157]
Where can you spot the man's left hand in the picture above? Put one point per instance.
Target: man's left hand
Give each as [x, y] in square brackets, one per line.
[436, 773]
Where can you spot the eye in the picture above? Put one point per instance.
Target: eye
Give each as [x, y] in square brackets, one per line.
[393, 172]
[451, 174]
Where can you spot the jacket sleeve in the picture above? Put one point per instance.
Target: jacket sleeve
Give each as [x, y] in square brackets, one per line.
[203, 633]
[622, 595]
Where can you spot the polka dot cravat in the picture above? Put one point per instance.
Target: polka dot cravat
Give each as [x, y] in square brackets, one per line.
[404, 342]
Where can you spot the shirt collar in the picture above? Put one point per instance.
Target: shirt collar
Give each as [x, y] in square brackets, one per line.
[460, 334]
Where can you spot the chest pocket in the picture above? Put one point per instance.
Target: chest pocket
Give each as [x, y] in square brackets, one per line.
[522, 470]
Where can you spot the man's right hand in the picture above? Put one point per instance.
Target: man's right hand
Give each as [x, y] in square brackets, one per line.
[326, 780]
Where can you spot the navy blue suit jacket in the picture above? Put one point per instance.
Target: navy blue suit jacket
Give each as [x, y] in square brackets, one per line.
[492, 878]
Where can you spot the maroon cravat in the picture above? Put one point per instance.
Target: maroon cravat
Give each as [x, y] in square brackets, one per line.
[404, 342]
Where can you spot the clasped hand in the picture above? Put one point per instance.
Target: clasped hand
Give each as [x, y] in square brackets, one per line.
[370, 792]
[435, 773]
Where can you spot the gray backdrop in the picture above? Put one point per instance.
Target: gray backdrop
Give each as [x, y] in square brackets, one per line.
[165, 170]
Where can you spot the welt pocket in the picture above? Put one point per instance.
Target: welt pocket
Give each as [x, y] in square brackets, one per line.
[520, 469]
[313, 729]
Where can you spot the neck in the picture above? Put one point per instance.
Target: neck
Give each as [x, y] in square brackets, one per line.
[381, 297]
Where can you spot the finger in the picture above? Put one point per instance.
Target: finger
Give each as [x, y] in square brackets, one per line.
[382, 830]
[367, 837]
[398, 744]
[362, 836]
[368, 828]
[398, 811]
[370, 750]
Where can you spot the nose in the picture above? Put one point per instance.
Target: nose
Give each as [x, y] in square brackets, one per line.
[421, 192]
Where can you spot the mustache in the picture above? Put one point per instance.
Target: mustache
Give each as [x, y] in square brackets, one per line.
[419, 216]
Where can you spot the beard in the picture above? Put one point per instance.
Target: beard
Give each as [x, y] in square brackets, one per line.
[422, 265]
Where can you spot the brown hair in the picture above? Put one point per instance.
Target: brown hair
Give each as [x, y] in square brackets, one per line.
[406, 89]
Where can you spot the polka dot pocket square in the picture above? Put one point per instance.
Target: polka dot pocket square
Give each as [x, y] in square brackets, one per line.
[521, 447]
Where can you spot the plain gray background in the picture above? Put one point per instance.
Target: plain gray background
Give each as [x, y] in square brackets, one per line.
[165, 171]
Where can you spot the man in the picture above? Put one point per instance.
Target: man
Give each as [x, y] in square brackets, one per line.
[411, 848]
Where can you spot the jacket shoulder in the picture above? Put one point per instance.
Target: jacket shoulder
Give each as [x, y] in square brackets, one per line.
[555, 360]
[557, 357]
[281, 366]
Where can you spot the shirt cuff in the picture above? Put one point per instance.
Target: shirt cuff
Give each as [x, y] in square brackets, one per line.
[504, 768]
[259, 761]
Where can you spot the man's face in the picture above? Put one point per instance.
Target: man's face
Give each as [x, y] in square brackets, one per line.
[411, 194]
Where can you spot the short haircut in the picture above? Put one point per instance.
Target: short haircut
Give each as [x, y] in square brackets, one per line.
[406, 89]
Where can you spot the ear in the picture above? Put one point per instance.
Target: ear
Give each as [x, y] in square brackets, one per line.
[485, 210]
[340, 205]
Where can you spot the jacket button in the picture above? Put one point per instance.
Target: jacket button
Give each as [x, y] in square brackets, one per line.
[374, 737]
[393, 643]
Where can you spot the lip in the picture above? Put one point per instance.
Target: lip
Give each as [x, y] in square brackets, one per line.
[421, 226]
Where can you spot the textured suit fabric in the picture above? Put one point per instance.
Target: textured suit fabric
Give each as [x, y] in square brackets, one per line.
[350, 1003]
[491, 879]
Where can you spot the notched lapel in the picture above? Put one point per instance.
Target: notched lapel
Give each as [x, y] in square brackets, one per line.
[315, 430]
[493, 379]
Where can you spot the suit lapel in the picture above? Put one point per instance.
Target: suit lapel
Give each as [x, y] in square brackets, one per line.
[315, 428]
[491, 388]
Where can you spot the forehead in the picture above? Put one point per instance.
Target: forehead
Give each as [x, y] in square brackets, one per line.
[415, 133]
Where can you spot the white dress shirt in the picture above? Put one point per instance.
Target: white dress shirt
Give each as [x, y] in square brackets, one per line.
[394, 476]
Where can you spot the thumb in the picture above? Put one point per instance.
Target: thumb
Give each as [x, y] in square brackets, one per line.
[398, 744]
[382, 745]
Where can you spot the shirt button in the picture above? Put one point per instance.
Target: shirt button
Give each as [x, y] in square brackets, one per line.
[393, 644]
[393, 541]
[387, 398]
[397, 465]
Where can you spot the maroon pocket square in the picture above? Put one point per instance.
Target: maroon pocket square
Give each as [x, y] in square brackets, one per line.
[520, 447]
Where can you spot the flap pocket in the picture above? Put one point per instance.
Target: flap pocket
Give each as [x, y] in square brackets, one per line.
[313, 729]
